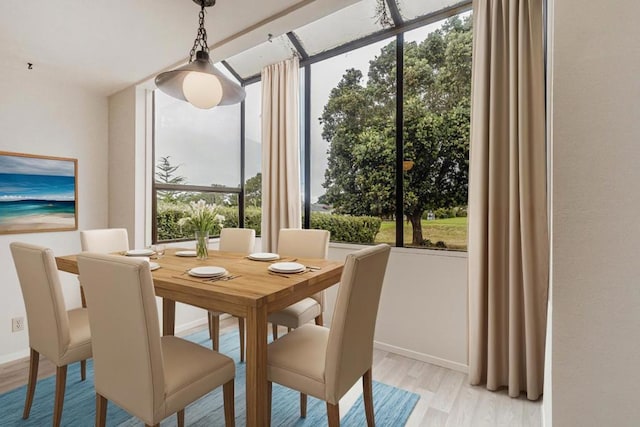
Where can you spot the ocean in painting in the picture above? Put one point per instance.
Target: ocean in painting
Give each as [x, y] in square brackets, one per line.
[9, 210]
[23, 195]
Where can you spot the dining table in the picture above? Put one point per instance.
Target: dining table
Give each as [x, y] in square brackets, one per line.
[253, 293]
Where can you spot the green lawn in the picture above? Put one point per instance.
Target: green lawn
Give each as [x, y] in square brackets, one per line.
[452, 231]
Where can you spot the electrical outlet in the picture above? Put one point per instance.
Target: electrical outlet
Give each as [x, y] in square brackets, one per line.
[17, 324]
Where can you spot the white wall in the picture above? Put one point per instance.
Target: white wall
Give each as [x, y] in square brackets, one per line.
[547, 401]
[128, 163]
[42, 115]
[596, 201]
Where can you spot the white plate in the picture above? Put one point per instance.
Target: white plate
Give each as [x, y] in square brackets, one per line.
[287, 267]
[263, 256]
[186, 253]
[139, 252]
[154, 266]
[210, 271]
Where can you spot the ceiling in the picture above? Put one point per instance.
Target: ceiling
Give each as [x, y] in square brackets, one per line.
[109, 45]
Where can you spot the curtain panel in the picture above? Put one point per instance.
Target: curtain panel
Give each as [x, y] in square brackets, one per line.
[508, 236]
[281, 200]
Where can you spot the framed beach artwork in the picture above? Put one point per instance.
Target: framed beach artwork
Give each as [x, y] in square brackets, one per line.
[37, 193]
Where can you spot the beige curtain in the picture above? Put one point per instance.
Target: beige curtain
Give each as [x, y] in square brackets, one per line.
[280, 151]
[508, 238]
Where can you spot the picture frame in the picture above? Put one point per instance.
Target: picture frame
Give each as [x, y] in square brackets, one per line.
[37, 193]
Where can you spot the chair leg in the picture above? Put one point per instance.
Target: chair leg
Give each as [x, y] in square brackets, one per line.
[83, 370]
[180, 415]
[82, 297]
[269, 398]
[214, 331]
[303, 405]
[333, 414]
[101, 411]
[61, 382]
[289, 329]
[229, 404]
[367, 396]
[241, 331]
[319, 320]
[34, 360]
[274, 331]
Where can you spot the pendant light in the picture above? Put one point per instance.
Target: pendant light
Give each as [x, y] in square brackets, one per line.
[199, 82]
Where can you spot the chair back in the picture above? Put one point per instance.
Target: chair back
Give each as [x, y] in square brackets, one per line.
[123, 317]
[46, 311]
[105, 240]
[303, 243]
[350, 345]
[241, 240]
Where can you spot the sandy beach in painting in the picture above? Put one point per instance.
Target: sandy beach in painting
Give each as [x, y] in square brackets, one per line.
[37, 222]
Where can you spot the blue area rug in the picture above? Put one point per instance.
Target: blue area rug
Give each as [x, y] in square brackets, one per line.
[392, 405]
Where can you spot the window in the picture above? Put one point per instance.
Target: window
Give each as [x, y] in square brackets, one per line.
[196, 156]
[385, 118]
[353, 144]
[436, 118]
[356, 151]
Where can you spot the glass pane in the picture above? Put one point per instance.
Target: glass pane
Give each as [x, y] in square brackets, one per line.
[252, 61]
[411, 9]
[437, 90]
[173, 205]
[353, 144]
[194, 146]
[351, 23]
[253, 156]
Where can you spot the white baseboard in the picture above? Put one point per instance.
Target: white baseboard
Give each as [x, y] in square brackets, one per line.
[460, 367]
[193, 324]
[12, 357]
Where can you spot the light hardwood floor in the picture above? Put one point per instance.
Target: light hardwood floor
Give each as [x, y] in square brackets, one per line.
[446, 398]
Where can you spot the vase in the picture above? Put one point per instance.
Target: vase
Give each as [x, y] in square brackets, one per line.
[202, 244]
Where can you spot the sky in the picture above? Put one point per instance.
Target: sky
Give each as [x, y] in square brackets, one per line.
[36, 166]
[206, 143]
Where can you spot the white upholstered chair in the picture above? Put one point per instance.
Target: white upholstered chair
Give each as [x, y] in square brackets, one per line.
[61, 336]
[105, 240]
[325, 363]
[240, 240]
[147, 375]
[301, 244]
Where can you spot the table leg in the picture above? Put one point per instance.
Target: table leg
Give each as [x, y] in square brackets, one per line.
[256, 361]
[168, 316]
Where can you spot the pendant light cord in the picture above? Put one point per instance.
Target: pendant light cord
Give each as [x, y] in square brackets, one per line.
[200, 43]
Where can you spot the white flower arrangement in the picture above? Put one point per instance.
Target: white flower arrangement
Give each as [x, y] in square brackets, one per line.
[201, 217]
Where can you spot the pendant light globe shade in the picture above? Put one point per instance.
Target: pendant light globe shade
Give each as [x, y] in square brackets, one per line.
[200, 84]
[202, 90]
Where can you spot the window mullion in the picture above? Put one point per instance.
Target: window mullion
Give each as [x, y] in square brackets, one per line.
[399, 139]
[307, 146]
